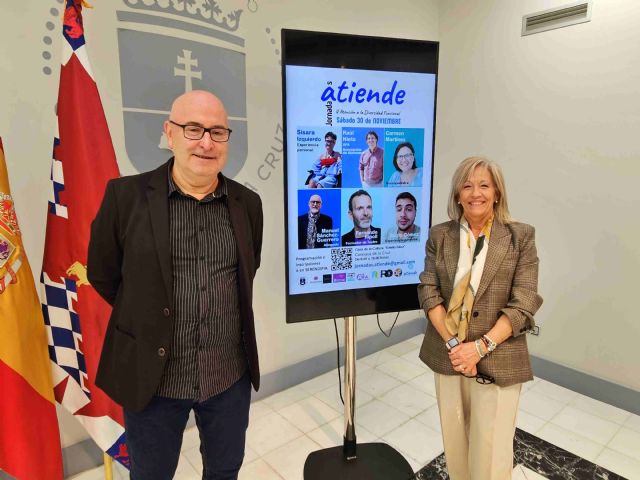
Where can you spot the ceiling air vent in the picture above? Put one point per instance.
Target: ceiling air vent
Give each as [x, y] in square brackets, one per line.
[556, 18]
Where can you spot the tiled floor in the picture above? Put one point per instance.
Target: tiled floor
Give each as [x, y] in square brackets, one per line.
[396, 404]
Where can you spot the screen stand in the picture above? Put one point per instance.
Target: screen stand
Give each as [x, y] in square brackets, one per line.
[366, 461]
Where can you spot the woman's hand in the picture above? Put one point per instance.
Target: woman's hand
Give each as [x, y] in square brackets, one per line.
[464, 358]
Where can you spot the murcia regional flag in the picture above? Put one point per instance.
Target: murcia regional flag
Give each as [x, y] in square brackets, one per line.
[75, 315]
[29, 436]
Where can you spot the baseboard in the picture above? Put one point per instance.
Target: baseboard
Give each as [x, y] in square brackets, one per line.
[594, 387]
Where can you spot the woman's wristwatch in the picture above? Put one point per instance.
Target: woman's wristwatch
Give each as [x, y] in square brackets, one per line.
[452, 342]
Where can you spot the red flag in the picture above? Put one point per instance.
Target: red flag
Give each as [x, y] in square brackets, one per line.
[29, 436]
[76, 316]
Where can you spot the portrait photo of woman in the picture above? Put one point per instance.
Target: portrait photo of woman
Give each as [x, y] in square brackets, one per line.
[407, 173]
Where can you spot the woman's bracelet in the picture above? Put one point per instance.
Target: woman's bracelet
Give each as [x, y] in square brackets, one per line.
[479, 350]
[490, 344]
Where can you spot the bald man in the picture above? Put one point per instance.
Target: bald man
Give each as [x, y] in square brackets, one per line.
[314, 228]
[175, 251]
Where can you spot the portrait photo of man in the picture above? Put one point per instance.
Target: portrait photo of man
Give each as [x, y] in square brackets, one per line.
[361, 213]
[314, 228]
[372, 162]
[406, 230]
[327, 168]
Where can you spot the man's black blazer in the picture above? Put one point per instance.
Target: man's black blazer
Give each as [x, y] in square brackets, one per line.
[349, 238]
[129, 265]
[324, 222]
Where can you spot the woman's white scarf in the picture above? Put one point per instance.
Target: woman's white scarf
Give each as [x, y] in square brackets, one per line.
[467, 279]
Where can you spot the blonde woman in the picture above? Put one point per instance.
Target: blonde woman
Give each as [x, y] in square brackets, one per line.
[479, 291]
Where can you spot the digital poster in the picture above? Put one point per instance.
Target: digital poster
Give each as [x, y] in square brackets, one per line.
[359, 147]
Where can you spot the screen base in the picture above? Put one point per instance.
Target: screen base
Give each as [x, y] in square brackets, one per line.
[375, 461]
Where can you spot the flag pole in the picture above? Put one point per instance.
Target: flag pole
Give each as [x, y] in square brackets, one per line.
[108, 466]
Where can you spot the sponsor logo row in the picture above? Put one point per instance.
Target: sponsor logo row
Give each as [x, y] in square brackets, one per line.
[352, 276]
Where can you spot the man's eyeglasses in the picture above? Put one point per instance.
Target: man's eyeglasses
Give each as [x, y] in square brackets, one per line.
[315, 202]
[196, 132]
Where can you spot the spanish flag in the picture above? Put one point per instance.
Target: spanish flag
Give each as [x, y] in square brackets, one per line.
[29, 436]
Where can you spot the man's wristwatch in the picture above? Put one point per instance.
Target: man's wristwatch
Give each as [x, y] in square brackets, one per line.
[452, 342]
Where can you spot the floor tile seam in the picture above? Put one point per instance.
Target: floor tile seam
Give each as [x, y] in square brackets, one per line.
[398, 358]
[401, 411]
[315, 397]
[195, 468]
[287, 420]
[609, 446]
[273, 467]
[565, 402]
[297, 387]
[295, 426]
[333, 383]
[620, 427]
[251, 420]
[418, 388]
[633, 459]
[290, 423]
[628, 421]
[534, 414]
[581, 437]
[419, 462]
[588, 397]
[601, 417]
[433, 430]
[416, 461]
[392, 353]
[377, 367]
[320, 426]
[302, 434]
[402, 355]
[573, 431]
[312, 392]
[423, 423]
[394, 408]
[538, 429]
[270, 466]
[277, 472]
[376, 396]
[327, 403]
[397, 427]
[548, 397]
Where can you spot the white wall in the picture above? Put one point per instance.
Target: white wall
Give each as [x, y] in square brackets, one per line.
[560, 111]
[27, 126]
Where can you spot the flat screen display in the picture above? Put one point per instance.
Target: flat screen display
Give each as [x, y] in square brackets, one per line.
[359, 131]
